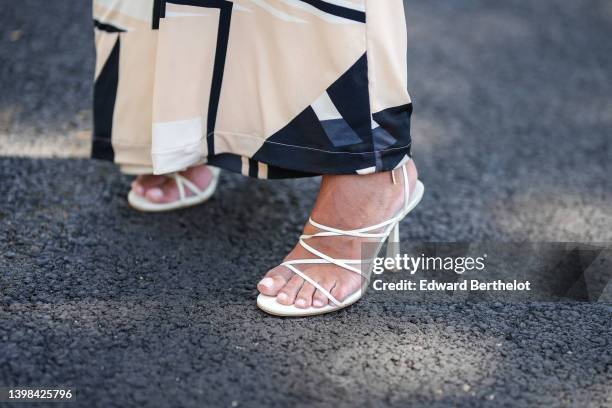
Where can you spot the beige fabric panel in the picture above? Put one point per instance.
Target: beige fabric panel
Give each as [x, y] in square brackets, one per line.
[387, 59]
[132, 121]
[184, 68]
[132, 118]
[188, 40]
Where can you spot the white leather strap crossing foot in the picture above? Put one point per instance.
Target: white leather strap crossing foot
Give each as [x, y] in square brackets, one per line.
[183, 182]
[314, 283]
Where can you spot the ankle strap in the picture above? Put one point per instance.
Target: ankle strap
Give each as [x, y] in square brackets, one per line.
[406, 186]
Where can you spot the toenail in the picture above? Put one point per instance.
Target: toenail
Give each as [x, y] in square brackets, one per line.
[282, 297]
[300, 302]
[267, 282]
[317, 303]
[156, 193]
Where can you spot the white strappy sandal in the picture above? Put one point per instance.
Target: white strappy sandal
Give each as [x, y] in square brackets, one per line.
[198, 196]
[390, 234]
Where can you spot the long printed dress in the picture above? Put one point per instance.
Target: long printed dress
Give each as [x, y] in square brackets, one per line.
[266, 88]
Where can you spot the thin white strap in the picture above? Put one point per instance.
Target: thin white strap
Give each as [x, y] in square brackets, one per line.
[178, 180]
[315, 284]
[320, 261]
[360, 232]
[214, 170]
[338, 234]
[406, 188]
[330, 259]
[188, 183]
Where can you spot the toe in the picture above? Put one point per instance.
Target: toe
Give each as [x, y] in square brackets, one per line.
[303, 299]
[165, 193]
[155, 195]
[340, 292]
[138, 188]
[320, 299]
[286, 296]
[145, 182]
[171, 192]
[274, 280]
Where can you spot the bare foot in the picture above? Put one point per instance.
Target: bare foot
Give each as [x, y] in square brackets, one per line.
[162, 189]
[344, 202]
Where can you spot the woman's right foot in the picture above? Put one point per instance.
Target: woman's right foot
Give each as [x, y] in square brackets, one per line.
[347, 203]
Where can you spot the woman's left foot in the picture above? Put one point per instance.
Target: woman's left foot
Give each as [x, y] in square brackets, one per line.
[344, 202]
[174, 191]
[162, 189]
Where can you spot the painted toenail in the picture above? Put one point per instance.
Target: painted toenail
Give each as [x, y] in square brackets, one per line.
[317, 303]
[282, 297]
[300, 303]
[156, 193]
[267, 282]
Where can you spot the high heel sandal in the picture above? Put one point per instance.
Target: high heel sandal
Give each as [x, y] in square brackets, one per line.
[390, 234]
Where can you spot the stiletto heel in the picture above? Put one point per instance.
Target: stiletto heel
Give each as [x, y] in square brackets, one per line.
[384, 231]
[393, 243]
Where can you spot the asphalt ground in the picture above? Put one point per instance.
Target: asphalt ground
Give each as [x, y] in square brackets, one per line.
[512, 136]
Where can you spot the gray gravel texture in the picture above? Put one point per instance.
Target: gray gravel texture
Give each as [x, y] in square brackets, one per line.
[512, 137]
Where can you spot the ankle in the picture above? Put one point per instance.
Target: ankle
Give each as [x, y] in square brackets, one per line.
[352, 201]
